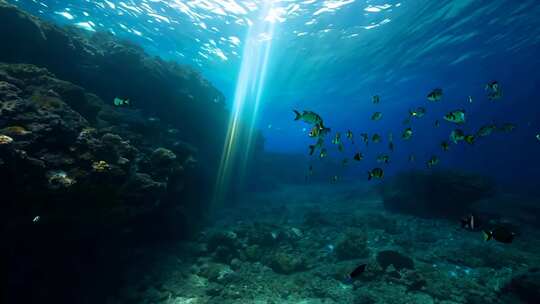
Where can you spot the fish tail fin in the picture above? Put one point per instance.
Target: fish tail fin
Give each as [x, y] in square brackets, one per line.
[298, 115]
[127, 102]
[487, 235]
[369, 176]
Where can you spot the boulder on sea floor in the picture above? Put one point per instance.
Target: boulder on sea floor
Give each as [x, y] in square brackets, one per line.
[443, 193]
[525, 286]
[287, 263]
[352, 245]
[390, 257]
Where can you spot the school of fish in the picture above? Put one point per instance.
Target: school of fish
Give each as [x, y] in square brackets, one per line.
[456, 117]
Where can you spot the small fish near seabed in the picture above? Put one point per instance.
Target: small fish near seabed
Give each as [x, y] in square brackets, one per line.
[435, 95]
[457, 135]
[376, 99]
[344, 162]
[365, 138]
[376, 138]
[538, 136]
[358, 156]
[470, 222]
[334, 179]
[318, 145]
[470, 99]
[457, 116]
[324, 131]
[486, 130]
[445, 146]
[323, 153]
[412, 158]
[350, 136]
[315, 131]
[507, 127]
[433, 161]
[407, 134]
[121, 102]
[337, 139]
[309, 117]
[494, 91]
[319, 130]
[383, 158]
[418, 112]
[437, 123]
[376, 116]
[377, 173]
[36, 219]
[470, 139]
[500, 234]
[355, 273]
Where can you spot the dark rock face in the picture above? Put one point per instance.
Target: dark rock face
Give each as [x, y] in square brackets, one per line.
[92, 187]
[178, 95]
[82, 182]
[446, 194]
[53, 142]
[526, 286]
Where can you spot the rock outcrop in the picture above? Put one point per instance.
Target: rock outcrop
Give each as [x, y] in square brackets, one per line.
[446, 194]
[84, 182]
[178, 95]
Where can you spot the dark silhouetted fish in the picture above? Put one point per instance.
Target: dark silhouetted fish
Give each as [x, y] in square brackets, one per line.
[500, 234]
[355, 273]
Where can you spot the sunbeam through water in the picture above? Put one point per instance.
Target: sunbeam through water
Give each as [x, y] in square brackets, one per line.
[247, 99]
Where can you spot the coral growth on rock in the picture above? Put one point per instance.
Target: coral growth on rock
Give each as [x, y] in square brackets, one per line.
[91, 172]
[178, 95]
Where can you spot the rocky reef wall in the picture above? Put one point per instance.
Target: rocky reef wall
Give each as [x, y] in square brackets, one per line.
[178, 95]
[83, 183]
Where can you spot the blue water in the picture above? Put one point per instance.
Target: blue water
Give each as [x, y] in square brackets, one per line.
[332, 56]
[280, 234]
